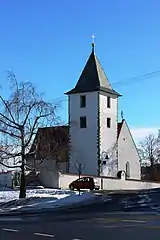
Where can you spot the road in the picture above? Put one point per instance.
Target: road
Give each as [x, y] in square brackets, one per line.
[81, 226]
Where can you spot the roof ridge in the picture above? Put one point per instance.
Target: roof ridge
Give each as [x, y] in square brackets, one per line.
[101, 72]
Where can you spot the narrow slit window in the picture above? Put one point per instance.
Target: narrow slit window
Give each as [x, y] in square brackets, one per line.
[108, 122]
[108, 102]
[83, 122]
[82, 101]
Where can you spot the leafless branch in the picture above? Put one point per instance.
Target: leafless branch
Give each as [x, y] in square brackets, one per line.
[27, 115]
[9, 111]
[34, 126]
[7, 124]
[24, 110]
[7, 155]
[148, 149]
[8, 166]
[11, 134]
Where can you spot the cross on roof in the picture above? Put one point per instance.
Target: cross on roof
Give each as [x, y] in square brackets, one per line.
[93, 37]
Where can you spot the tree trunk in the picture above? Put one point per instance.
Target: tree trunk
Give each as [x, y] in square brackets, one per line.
[22, 193]
[99, 168]
[152, 168]
[79, 176]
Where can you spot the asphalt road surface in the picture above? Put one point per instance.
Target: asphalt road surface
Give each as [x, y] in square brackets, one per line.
[82, 226]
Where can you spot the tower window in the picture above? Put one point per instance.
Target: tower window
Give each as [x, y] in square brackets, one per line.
[83, 122]
[82, 101]
[108, 122]
[108, 102]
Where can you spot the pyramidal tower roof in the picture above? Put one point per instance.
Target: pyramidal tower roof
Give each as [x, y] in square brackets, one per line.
[93, 78]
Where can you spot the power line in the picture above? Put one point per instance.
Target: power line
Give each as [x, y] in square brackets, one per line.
[137, 78]
[123, 82]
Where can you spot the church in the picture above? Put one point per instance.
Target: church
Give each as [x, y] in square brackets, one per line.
[98, 143]
[94, 140]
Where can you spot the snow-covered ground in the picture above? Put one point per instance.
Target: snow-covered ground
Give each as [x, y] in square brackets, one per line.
[40, 199]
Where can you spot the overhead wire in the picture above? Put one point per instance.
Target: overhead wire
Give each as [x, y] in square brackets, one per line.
[123, 82]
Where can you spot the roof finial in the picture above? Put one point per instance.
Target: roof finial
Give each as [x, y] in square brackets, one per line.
[93, 42]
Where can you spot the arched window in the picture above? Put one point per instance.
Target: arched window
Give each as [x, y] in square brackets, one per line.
[127, 169]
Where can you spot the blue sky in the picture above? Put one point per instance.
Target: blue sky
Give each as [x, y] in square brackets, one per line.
[48, 43]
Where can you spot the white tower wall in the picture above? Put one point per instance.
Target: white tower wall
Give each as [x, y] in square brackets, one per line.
[108, 135]
[83, 141]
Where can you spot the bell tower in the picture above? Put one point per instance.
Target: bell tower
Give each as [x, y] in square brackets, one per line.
[93, 116]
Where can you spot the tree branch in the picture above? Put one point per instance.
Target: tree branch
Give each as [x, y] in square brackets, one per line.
[33, 128]
[8, 166]
[7, 124]
[30, 153]
[9, 155]
[32, 131]
[27, 115]
[3, 116]
[13, 120]
[9, 133]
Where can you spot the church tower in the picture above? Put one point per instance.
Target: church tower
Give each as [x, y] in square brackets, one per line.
[93, 116]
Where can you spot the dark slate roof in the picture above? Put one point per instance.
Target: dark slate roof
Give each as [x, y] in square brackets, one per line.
[119, 126]
[93, 78]
[51, 142]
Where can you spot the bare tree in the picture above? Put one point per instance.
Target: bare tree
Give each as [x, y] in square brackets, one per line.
[149, 149]
[20, 116]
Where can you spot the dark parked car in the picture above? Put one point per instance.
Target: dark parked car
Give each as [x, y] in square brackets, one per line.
[84, 183]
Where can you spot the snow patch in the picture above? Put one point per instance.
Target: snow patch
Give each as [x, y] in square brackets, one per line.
[42, 199]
